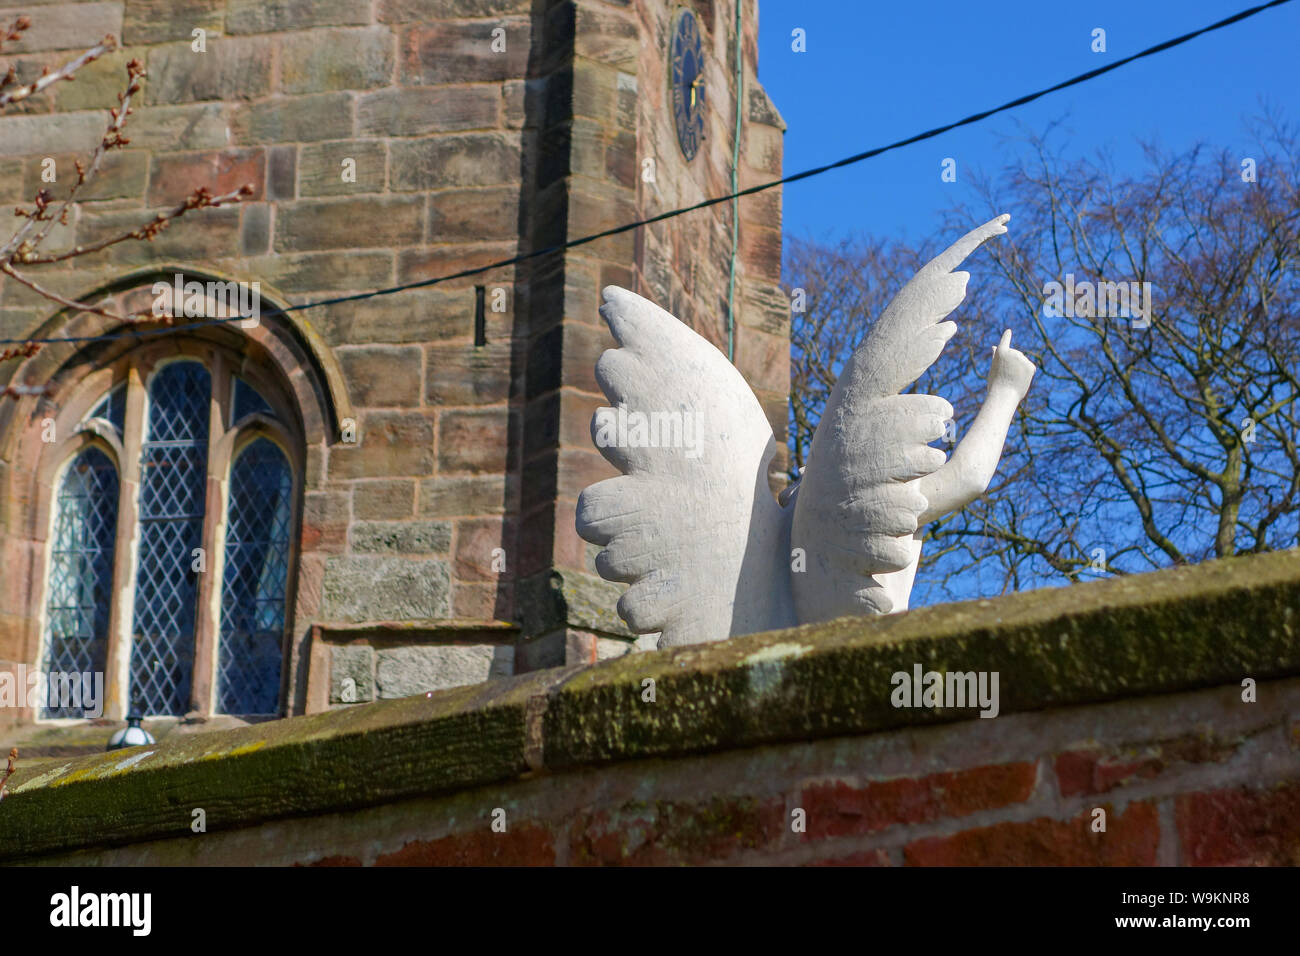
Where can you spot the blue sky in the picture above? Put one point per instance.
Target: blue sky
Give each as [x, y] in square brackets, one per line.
[877, 72]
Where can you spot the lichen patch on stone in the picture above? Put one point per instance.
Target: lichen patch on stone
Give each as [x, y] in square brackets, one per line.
[776, 652]
[132, 760]
[41, 779]
[767, 666]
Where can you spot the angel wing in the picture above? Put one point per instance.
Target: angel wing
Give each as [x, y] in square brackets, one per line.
[690, 523]
[857, 505]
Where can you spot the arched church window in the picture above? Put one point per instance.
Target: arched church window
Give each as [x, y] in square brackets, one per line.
[81, 577]
[173, 482]
[257, 569]
[170, 559]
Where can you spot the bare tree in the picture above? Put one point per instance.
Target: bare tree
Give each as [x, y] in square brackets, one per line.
[23, 252]
[1161, 428]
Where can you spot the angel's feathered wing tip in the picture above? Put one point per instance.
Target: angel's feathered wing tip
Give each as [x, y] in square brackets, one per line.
[617, 300]
[638, 323]
[619, 309]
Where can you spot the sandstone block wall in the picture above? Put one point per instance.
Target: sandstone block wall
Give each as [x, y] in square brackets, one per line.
[470, 131]
[624, 163]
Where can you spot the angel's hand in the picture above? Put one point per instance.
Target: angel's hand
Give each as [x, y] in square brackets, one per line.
[997, 226]
[956, 254]
[1011, 371]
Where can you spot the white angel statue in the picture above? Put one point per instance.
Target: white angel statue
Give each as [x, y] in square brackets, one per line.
[707, 551]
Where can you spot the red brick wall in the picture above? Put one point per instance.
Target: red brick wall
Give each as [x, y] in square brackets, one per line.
[1193, 779]
[1199, 779]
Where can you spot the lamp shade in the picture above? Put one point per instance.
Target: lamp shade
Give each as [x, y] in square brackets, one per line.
[132, 735]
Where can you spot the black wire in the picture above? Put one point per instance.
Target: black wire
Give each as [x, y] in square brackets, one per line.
[793, 178]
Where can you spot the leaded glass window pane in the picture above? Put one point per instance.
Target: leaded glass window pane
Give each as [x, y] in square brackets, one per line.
[248, 400]
[173, 480]
[81, 582]
[113, 408]
[253, 593]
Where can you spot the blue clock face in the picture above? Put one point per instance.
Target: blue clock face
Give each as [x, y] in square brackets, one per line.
[686, 79]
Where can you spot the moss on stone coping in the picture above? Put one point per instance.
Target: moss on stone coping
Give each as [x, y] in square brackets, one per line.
[355, 756]
[51, 741]
[1164, 632]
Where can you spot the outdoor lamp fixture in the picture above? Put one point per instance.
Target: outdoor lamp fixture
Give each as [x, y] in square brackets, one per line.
[132, 735]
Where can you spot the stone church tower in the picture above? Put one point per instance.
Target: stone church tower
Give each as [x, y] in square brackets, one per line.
[374, 497]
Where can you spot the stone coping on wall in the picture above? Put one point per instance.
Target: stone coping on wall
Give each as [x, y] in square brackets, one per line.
[1180, 629]
[73, 738]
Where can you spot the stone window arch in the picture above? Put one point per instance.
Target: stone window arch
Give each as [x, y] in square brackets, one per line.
[194, 457]
[274, 378]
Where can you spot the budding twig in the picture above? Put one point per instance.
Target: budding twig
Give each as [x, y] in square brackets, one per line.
[15, 31]
[26, 350]
[23, 247]
[112, 139]
[9, 771]
[19, 246]
[53, 296]
[201, 198]
[107, 45]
